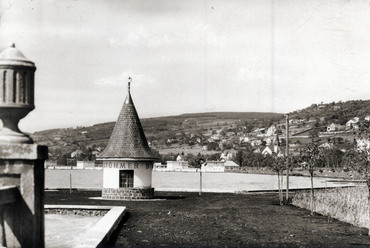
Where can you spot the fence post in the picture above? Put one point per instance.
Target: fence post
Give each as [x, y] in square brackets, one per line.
[200, 182]
[70, 183]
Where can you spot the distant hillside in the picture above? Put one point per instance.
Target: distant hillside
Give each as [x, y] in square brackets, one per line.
[214, 132]
[335, 112]
[161, 132]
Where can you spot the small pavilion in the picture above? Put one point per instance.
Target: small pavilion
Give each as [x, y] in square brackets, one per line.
[127, 159]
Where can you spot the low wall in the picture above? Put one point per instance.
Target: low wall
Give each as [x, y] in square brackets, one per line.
[127, 193]
[349, 204]
[76, 210]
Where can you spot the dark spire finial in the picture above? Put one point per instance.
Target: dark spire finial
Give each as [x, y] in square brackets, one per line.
[129, 83]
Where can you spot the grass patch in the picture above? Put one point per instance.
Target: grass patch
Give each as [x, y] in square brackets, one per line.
[346, 204]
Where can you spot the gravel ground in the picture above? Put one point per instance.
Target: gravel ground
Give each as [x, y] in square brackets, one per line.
[220, 220]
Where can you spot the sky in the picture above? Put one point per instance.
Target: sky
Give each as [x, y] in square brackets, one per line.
[187, 56]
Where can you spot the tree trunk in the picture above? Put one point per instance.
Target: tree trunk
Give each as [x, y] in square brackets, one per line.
[280, 191]
[312, 196]
[368, 200]
[282, 185]
[287, 184]
[200, 181]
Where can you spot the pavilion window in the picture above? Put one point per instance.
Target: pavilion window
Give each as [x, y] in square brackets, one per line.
[126, 178]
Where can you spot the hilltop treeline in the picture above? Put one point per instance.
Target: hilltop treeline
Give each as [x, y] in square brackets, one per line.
[335, 112]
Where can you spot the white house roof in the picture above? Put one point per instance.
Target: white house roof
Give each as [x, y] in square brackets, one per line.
[267, 150]
[231, 163]
[353, 121]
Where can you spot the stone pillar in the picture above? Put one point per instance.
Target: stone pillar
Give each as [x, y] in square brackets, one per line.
[21, 161]
[22, 222]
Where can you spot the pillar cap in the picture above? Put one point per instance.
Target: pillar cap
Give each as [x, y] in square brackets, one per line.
[12, 56]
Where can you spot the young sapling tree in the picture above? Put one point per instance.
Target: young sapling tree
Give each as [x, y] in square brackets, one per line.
[312, 154]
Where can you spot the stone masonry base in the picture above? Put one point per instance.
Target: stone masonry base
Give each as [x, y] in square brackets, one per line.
[127, 193]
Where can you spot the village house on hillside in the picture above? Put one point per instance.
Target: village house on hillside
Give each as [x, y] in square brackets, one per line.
[244, 139]
[271, 130]
[273, 147]
[228, 154]
[333, 127]
[230, 165]
[296, 121]
[216, 137]
[258, 150]
[225, 164]
[321, 106]
[268, 150]
[179, 165]
[336, 107]
[327, 145]
[259, 130]
[268, 141]
[256, 142]
[353, 123]
[213, 166]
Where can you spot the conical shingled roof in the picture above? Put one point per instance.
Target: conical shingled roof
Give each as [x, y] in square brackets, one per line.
[128, 139]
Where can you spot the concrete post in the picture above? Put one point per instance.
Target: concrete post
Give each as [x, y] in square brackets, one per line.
[287, 157]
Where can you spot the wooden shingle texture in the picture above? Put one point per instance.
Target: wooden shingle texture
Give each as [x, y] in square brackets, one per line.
[128, 139]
